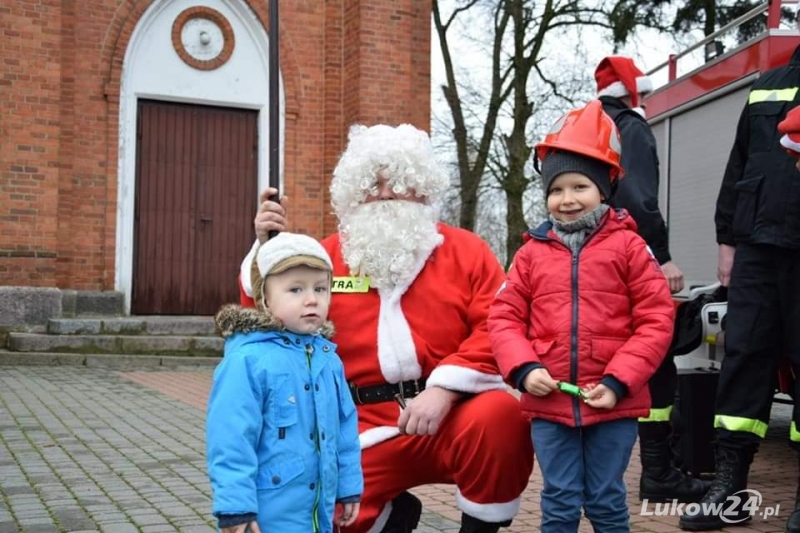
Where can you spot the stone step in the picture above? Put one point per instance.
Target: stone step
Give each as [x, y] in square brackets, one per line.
[92, 303]
[113, 361]
[133, 325]
[116, 344]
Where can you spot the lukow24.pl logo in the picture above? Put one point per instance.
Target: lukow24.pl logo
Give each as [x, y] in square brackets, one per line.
[737, 508]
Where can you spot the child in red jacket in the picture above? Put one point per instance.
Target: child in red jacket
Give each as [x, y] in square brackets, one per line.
[581, 324]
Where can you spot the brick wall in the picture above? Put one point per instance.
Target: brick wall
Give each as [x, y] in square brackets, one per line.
[30, 126]
[342, 61]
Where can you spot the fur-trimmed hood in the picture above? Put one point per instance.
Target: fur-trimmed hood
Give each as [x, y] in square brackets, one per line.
[232, 319]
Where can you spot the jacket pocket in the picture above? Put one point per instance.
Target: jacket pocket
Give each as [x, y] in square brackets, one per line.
[604, 348]
[747, 194]
[283, 411]
[557, 367]
[278, 474]
[764, 118]
[542, 347]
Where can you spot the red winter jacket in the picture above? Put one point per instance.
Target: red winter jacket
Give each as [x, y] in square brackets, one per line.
[603, 314]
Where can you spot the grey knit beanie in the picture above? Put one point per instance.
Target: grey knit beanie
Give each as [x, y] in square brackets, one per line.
[559, 162]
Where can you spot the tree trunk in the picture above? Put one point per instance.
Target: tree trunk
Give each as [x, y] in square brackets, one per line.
[515, 220]
[469, 202]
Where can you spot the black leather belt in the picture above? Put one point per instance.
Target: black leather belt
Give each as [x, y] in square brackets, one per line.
[386, 392]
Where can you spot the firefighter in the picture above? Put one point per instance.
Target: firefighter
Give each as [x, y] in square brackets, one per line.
[758, 232]
[620, 87]
[790, 140]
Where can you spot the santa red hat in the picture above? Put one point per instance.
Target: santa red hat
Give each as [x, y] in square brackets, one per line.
[618, 76]
[790, 128]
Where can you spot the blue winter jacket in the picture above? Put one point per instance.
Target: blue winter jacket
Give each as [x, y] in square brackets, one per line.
[281, 428]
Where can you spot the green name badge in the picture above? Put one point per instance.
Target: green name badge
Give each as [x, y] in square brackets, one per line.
[350, 284]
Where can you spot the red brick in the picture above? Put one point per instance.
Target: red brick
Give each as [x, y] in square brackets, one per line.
[343, 61]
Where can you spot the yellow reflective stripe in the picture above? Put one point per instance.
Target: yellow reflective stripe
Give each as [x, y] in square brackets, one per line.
[794, 435]
[772, 95]
[738, 423]
[658, 415]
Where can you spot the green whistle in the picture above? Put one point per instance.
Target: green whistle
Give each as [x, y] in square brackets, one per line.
[569, 388]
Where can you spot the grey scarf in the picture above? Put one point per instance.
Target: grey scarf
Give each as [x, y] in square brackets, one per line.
[574, 233]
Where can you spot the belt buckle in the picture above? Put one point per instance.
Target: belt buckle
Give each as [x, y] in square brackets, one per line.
[413, 393]
[400, 396]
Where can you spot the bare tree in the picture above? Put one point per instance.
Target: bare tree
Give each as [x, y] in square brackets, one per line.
[471, 152]
[518, 32]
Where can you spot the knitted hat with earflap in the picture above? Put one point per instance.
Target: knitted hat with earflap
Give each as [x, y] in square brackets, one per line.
[279, 254]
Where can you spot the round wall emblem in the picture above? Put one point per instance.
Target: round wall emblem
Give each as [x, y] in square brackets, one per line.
[203, 38]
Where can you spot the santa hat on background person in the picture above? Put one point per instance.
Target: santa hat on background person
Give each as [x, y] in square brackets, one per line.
[618, 76]
[790, 129]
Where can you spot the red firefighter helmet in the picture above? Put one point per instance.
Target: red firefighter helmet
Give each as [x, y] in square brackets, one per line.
[587, 131]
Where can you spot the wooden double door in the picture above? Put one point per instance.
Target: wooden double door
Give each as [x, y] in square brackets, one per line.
[196, 188]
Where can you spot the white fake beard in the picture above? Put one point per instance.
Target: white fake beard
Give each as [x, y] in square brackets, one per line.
[389, 240]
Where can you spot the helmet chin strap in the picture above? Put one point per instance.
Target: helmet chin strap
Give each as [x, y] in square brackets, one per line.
[537, 163]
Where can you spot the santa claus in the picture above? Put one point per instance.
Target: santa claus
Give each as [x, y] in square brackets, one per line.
[410, 301]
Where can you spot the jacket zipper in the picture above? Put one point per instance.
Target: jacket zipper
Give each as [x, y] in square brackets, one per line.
[573, 351]
[315, 508]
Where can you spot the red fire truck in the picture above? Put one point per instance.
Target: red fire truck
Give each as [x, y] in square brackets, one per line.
[694, 116]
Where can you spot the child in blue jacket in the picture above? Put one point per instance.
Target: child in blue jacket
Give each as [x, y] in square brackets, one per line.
[282, 433]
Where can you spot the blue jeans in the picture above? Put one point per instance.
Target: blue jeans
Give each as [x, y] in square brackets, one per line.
[583, 467]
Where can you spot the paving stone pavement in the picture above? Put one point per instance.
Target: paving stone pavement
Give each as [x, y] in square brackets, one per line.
[94, 450]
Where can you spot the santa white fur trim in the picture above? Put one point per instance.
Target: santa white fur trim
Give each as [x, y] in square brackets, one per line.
[376, 435]
[396, 351]
[789, 144]
[463, 379]
[244, 271]
[617, 90]
[380, 522]
[488, 512]
[644, 85]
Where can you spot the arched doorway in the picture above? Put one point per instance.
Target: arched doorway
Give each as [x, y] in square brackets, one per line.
[193, 145]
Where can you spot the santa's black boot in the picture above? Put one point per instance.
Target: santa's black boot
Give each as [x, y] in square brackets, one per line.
[660, 481]
[715, 510]
[470, 524]
[404, 518]
[793, 523]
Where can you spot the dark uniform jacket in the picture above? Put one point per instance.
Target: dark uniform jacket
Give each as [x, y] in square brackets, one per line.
[759, 201]
[638, 190]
